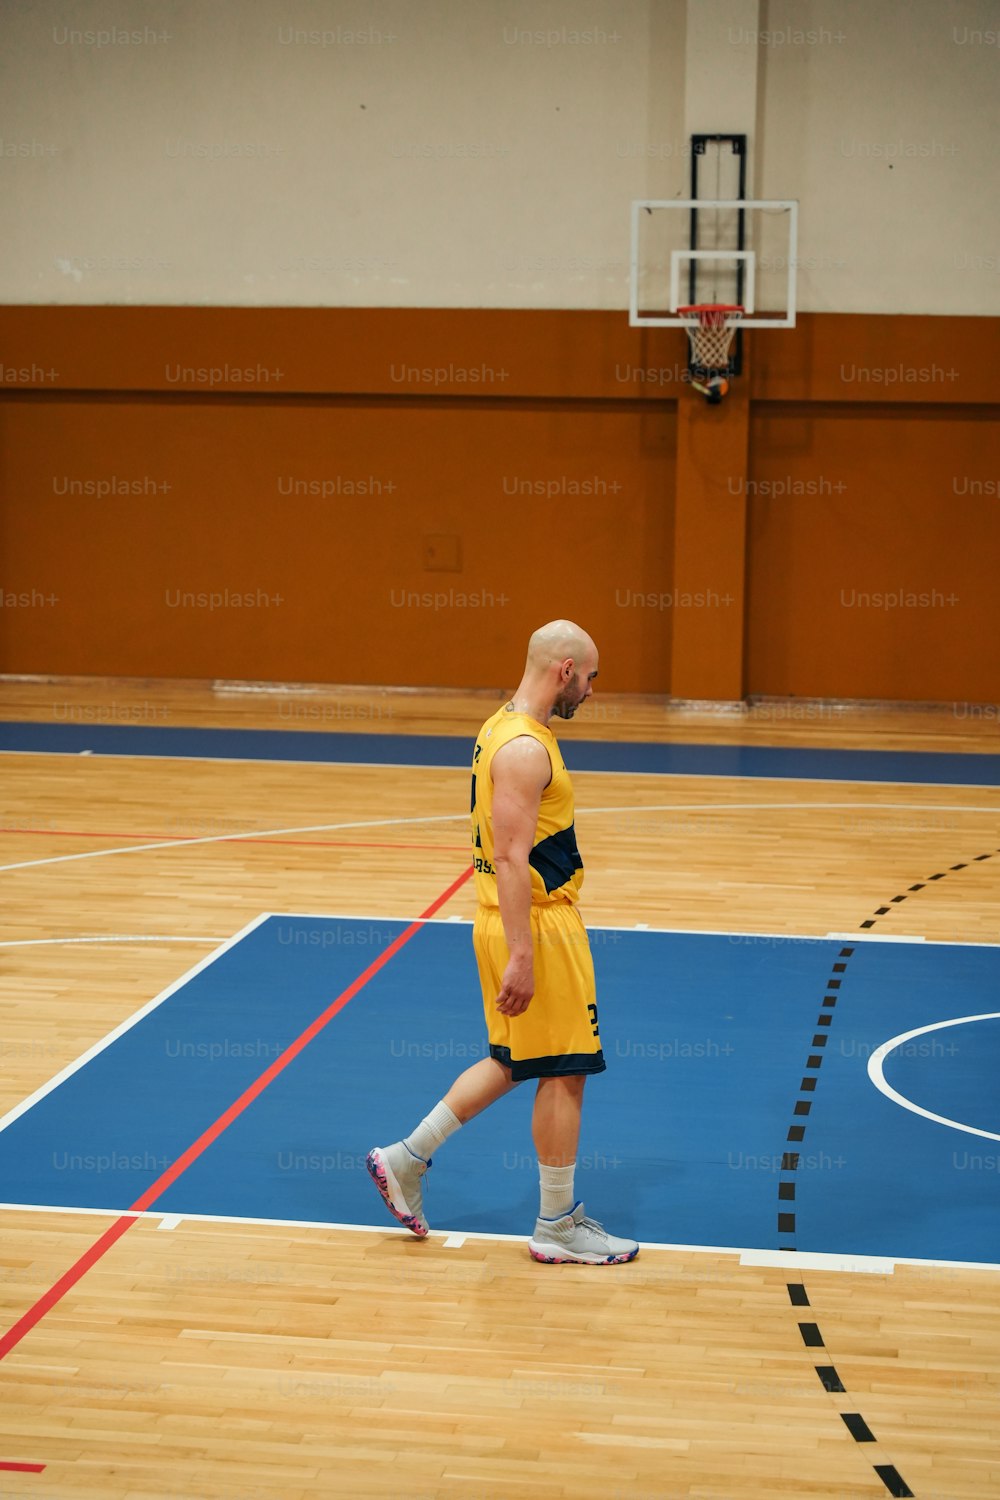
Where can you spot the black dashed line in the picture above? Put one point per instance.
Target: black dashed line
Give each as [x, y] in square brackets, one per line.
[893, 1481]
[858, 1427]
[799, 1297]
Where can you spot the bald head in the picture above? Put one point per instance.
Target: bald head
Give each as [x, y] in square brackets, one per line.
[558, 641]
[559, 672]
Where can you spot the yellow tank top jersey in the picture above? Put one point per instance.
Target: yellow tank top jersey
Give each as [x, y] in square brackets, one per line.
[556, 866]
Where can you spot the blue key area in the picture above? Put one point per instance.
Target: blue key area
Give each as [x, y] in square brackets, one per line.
[911, 766]
[707, 1039]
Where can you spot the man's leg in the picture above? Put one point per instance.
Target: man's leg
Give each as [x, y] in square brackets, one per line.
[397, 1169]
[477, 1088]
[555, 1124]
[562, 1232]
[555, 1128]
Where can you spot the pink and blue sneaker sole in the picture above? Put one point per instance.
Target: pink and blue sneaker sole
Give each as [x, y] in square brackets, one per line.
[384, 1179]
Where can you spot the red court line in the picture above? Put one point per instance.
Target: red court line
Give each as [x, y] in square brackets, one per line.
[23, 1468]
[90, 1257]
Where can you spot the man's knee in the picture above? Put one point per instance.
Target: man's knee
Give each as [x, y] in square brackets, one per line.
[567, 1083]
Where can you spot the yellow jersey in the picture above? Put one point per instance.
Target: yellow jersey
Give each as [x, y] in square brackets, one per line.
[555, 863]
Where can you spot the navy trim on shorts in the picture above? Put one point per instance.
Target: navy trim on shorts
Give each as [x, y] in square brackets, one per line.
[566, 1065]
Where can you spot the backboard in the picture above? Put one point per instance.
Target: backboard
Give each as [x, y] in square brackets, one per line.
[739, 251]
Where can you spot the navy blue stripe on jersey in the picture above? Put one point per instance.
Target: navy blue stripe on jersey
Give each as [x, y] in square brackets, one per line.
[556, 858]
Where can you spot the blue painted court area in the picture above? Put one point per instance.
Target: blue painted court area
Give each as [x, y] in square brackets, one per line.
[708, 1039]
[659, 759]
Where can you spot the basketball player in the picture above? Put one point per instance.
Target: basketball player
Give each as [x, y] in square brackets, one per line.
[533, 956]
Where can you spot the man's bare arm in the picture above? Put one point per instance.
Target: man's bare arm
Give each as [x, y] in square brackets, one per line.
[521, 771]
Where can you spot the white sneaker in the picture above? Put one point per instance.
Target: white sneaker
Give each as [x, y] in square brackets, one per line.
[576, 1238]
[397, 1174]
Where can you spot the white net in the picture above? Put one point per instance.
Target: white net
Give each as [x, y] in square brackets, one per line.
[711, 330]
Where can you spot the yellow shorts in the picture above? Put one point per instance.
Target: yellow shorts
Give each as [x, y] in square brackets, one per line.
[557, 1035]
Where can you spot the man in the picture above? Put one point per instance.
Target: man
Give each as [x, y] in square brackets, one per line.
[533, 956]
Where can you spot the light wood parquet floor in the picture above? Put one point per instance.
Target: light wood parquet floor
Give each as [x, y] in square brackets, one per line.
[254, 1361]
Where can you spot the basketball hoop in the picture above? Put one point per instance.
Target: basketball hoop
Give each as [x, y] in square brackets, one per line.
[711, 327]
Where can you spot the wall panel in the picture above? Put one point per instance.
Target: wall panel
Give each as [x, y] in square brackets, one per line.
[409, 542]
[874, 542]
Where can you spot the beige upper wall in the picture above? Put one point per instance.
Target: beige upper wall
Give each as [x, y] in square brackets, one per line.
[888, 138]
[477, 152]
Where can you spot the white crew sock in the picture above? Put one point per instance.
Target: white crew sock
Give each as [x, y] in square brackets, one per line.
[432, 1132]
[557, 1190]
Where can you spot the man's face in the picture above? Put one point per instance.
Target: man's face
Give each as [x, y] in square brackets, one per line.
[576, 690]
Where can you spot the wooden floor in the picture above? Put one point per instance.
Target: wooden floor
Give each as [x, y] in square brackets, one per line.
[237, 1361]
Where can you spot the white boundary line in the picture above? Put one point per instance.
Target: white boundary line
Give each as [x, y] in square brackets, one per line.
[789, 1260]
[743, 939]
[409, 765]
[678, 807]
[224, 838]
[126, 1025]
[877, 1076]
[111, 937]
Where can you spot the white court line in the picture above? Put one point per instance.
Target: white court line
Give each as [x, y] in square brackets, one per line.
[706, 807]
[409, 765]
[883, 937]
[222, 838]
[788, 1260]
[110, 937]
[126, 1025]
[739, 938]
[878, 1078]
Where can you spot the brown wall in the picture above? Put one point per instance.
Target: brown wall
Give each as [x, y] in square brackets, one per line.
[872, 570]
[848, 481]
